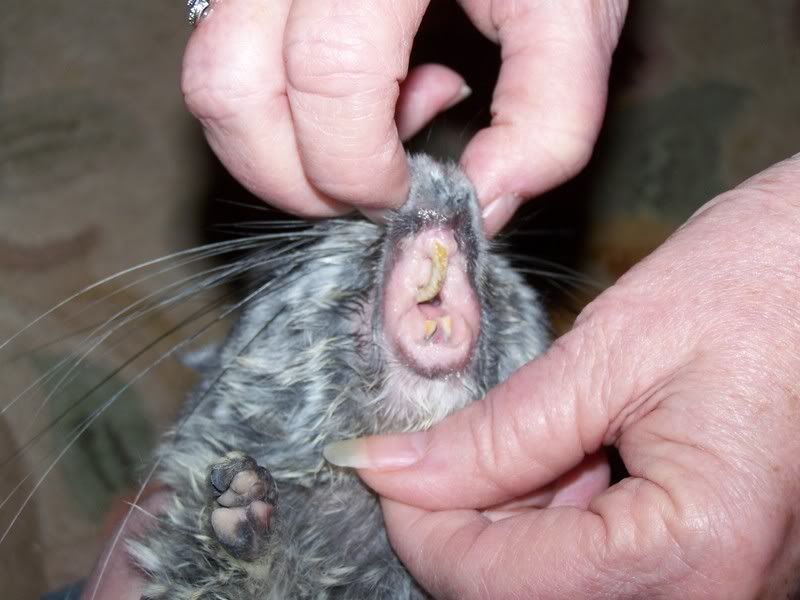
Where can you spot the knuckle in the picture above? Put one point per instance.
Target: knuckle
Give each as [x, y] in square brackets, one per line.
[604, 310]
[676, 537]
[775, 187]
[216, 84]
[204, 101]
[334, 58]
[509, 441]
[646, 533]
[590, 349]
[213, 95]
[491, 438]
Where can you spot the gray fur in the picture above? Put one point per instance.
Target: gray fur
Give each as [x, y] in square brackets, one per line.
[306, 365]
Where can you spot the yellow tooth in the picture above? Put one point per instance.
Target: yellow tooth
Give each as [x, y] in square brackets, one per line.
[430, 328]
[438, 272]
[447, 326]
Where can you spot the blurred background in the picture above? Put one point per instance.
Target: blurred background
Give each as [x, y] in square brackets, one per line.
[101, 168]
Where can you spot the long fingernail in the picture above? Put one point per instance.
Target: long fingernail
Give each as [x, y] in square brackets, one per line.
[379, 452]
[499, 212]
[376, 215]
[463, 93]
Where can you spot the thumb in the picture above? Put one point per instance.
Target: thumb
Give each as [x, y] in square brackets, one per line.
[524, 434]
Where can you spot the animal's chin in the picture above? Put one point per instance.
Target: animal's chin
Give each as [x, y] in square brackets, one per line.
[416, 402]
[431, 314]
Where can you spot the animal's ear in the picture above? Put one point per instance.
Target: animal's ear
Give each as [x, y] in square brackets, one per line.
[203, 359]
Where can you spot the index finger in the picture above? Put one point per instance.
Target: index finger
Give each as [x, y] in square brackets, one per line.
[344, 64]
[233, 81]
[548, 553]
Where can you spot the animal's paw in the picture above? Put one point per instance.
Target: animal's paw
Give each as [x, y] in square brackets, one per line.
[243, 498]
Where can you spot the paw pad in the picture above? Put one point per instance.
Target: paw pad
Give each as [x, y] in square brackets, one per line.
[243, 499]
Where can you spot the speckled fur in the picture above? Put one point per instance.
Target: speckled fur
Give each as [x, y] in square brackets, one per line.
[307, 364]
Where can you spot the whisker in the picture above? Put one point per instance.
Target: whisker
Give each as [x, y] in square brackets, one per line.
[72, 373]
[188, 320]
[565, 291]
[259, 206]
[561, 232]
[523, 217]
[227, 272]
[157, 462]
[187, 287]
[204, 250]
[124, 523]
[134, 504]
[110, 278]
[98, 411]
[563, 270]
[267, 225]
[94, 333]
[577, 281]
[81, 428]
[542, 261]
[45, 345]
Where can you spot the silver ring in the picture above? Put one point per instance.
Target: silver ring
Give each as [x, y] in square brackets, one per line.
[196, 10]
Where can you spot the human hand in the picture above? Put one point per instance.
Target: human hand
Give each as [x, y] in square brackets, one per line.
[307, 102]
[688, 365]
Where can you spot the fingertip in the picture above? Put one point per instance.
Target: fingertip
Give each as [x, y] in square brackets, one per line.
[463, 93]
[499, 212]
[376, 215]
[549, 100]
[523, 160]
[371, 183]
[584, 483]
[343, 67]
[508, 164]
[427, 90]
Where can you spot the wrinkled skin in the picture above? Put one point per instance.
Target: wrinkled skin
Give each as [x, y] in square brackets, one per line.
[689, 366]
[301, 98]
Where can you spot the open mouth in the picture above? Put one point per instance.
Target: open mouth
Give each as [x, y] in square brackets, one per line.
[431, 311]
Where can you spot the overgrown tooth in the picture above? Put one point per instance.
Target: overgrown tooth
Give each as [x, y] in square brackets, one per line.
[438, 272]
[430, 328]
[447, 326]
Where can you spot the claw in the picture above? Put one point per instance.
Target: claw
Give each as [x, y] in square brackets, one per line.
[438, 272]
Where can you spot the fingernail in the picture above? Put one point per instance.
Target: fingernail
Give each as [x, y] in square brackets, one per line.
[464, 93]
[378, 452]
[499, 212]
[376, 215]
